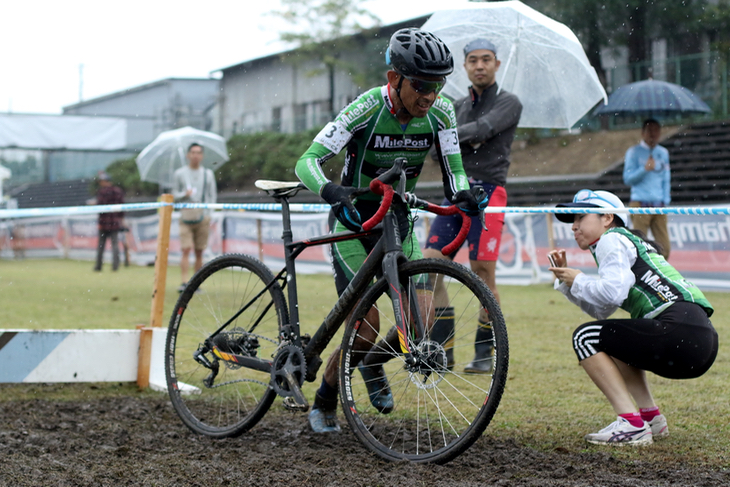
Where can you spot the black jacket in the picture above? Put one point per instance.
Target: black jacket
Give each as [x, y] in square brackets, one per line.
[486, 127]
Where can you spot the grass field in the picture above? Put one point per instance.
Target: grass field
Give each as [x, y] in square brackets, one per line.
[549, 402]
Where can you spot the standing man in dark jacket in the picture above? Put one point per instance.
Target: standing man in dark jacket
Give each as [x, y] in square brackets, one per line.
[486, 122]
[109, 223]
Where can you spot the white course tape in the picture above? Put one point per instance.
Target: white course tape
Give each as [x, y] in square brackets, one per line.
[78, 210]
[321, 208]
[693, 210]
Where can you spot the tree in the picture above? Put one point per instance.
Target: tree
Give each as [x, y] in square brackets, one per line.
[124, 173]
[634, 23]
[326, 28]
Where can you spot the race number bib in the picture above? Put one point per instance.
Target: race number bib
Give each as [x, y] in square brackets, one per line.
[449, 140]
[334, 136]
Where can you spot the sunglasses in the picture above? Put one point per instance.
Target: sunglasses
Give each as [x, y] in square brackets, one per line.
[585, 195]
[425, 87]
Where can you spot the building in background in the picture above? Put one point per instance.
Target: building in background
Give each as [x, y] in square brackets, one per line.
[75, 145]
[153, 108]
[289, 93]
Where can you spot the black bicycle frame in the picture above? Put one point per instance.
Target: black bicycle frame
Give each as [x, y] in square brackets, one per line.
[385, 256]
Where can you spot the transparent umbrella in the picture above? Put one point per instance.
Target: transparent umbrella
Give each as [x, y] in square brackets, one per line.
[543, 63]
[158, 161]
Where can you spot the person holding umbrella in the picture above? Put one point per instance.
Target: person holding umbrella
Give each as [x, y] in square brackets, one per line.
[646, 170]
[486, 121]
[669, 332]
[193, 184]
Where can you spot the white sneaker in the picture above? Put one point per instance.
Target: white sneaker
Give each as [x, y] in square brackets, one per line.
[621, 432]
[659, 427]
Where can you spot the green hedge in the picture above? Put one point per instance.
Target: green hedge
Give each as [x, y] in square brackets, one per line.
[124, 173]
[267, 155]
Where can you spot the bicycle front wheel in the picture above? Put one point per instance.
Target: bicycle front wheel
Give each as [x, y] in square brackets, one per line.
[437, 410]
[237, 397]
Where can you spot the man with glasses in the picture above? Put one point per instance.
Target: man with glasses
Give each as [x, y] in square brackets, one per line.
[487, 120]
[404, 118]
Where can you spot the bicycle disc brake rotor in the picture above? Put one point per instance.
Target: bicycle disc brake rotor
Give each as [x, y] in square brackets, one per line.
[290, 359]
[431, 365]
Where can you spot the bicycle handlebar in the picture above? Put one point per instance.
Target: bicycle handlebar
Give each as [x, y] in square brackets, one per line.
[386, 190]
[463, 231]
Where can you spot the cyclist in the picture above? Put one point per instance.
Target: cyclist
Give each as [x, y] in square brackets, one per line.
[404, 118]
[669, 332]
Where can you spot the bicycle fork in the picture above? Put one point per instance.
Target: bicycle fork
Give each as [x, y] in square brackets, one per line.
[393, 255]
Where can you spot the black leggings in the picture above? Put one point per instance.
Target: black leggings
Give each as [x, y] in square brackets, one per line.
[680, 343]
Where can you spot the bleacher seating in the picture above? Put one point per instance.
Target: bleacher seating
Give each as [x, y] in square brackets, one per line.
[699, 157]
[61, 193]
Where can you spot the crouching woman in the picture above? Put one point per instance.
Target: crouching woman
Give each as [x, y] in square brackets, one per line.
[669, 332]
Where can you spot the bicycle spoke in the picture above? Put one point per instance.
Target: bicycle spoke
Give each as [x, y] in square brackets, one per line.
[237, 397]
[437, 413]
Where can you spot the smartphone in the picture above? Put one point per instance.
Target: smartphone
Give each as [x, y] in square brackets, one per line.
[552, 260]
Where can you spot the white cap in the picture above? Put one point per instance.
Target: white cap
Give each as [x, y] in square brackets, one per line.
[586, 198]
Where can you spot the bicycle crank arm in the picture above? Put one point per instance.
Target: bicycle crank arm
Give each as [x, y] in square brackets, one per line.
[297, 395]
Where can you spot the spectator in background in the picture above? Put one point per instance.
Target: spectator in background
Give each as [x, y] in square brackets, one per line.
[193, 184]
[486, 122]
[646, 170]
[109, 223]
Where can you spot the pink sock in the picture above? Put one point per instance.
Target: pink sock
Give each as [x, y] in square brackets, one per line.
[647, 414]
[634, 419]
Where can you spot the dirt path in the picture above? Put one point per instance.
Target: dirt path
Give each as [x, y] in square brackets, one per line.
[140, 441]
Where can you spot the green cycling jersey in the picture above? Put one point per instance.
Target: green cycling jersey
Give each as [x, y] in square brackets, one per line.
[658, 284]
[373, 138]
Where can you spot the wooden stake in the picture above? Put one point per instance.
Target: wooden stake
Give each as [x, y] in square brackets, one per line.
[550, 236]
[163, 244]
[158, 294]
[145, 353]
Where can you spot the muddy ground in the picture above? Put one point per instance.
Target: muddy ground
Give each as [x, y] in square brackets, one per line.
[140, 441]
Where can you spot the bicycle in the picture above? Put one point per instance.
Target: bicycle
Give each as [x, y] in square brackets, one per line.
[236, 345]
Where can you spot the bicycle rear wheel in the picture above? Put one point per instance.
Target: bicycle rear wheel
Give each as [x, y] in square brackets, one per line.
[238, 397]
[438, 410]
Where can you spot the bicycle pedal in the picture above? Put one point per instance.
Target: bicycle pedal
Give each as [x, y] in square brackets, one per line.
[290, 404]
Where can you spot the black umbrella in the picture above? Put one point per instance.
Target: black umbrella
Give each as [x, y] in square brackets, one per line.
[652, 98]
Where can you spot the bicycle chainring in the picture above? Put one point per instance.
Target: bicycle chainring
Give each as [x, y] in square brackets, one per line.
[289, 358]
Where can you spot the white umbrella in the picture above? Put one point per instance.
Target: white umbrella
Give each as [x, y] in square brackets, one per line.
[543, 63]
[159, 160]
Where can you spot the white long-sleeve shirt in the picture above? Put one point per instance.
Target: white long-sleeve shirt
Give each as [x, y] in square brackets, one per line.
[600, 297]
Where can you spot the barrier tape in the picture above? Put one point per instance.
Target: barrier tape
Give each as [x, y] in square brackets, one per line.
[688, 210]
[79, 210]
[320, 208]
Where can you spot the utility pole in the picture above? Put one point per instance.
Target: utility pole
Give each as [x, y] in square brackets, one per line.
[81, 82]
